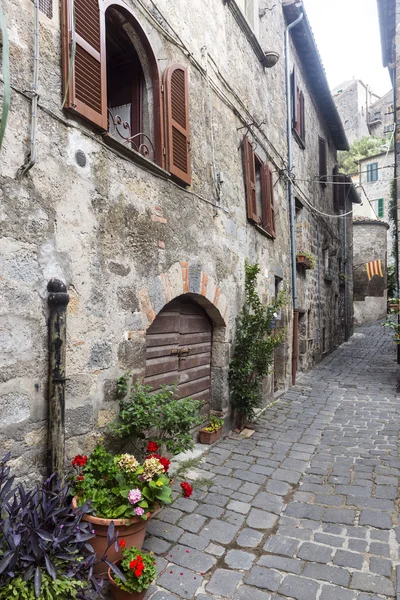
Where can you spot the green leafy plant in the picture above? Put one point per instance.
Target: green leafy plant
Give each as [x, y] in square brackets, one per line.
[215, 424]
[19, 589]
[121, 487]
[310, 257]
[138, 568]
[159, 416]
[394, 326]
[367, 146]
[253, 349]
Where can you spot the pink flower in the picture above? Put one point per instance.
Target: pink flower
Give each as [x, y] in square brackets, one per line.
[134, 496]
[139, 511]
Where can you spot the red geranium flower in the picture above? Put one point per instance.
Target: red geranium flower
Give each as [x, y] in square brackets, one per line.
[122, 543]
[165, 463]
[80, 478]
[152, 447]
[187, 489]
[79, 461]
[137, 566]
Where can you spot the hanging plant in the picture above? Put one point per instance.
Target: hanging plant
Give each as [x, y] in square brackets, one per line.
[253, 350]
[306, 259]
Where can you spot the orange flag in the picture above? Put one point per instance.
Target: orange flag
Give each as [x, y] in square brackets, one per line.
[374, 268]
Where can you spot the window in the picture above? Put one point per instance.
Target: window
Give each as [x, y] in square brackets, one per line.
[372, 172]
[347, 124]
[388, 128]
[298, 113]
[390, 109]
[114, 83]
[379, 208]
[250, 10]
[259, 190]
[323, 170]
[46, 7]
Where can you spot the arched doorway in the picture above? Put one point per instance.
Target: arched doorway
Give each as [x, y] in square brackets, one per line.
[178, 350]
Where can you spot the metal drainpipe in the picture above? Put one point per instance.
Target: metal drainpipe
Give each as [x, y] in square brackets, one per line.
[57, 300]
[346, 284]
[291, 199]
[35, 96]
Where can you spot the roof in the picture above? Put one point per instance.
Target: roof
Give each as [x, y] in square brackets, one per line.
[368, 221]
[304, 41]
[354, 196]
[387, 23]
[383, 153]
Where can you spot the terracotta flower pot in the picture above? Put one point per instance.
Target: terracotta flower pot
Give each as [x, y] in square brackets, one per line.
[118, 594]
[131, 530]
[304, 261]
[209, 437]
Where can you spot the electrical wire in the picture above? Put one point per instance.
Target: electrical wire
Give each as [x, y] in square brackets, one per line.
[5, 58]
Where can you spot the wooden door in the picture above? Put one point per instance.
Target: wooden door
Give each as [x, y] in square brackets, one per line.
[179, 349]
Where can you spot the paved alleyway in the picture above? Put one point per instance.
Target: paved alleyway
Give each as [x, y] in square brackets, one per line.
[306, 508]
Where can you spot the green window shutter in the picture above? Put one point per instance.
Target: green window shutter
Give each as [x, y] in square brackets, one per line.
[380, 208]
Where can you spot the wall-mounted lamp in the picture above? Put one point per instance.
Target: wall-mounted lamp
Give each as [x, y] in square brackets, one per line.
[270, 59]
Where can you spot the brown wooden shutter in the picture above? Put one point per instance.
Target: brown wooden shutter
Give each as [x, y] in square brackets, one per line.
[268, 216]
[250, 180]
[294, 99]
[322, 161]
[272, 204]
[87, 89]
[302, 118]
[176, 99]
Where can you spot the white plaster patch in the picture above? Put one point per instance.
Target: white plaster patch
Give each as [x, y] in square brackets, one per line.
[14, 409]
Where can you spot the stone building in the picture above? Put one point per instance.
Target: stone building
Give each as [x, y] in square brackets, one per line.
[381, 117]
[370, 244]
[353, 99]
[145, 194]
[375, 181]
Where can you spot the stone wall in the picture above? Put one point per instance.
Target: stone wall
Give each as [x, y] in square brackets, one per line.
[351, 104]
[126, 238]
[370, 297]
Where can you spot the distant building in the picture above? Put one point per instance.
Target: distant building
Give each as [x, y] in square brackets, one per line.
[381, 116]
[353, 99]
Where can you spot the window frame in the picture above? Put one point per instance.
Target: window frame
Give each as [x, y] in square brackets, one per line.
[264, 223]
[372, 168]
[379, 207]
[298, 110]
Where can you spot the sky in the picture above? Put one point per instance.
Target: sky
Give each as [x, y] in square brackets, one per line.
[348, 40]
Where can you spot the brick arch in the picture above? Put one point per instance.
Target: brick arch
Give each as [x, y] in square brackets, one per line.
[185, 278]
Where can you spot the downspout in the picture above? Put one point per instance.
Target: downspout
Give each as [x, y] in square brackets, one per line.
[5, 61]
[58, 299]
[291, 198]
[346, 283]
[31, 160]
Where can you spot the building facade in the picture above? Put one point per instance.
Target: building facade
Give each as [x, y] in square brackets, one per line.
[381, 117]
[142, 168]
[353, 100]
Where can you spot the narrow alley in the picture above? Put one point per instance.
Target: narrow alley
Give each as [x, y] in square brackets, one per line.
[305, 508]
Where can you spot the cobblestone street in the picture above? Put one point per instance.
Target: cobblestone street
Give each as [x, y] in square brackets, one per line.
[307, 507]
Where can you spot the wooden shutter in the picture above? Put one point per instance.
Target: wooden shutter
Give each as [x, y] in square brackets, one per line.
[381, 211]
[176, 100]
[267, 198]
[294, 99]
[322, 161]
[302, 118]
[250, 180]
[86, 92]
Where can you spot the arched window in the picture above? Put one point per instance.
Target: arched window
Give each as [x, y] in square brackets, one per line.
[111, 78]
[347, 124]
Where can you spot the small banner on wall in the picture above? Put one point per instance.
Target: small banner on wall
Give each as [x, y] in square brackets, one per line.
[374, 268]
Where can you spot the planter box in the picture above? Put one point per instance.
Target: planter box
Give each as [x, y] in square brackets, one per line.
[208, 437]
[304, 262]
[394, 307]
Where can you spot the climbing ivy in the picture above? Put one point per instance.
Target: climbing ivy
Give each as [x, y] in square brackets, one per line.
[253, 348]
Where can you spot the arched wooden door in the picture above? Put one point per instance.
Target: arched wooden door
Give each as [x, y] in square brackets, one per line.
[179, 349]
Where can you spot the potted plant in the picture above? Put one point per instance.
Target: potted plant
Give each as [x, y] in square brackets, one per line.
[45, 549]
[306, 259]
[138, 570]
[121, 489]
[393, 304]
[211, 433]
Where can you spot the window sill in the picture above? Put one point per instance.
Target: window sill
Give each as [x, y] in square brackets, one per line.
[298, 139]
[136, 157]
[263, 231]
[247, 30]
